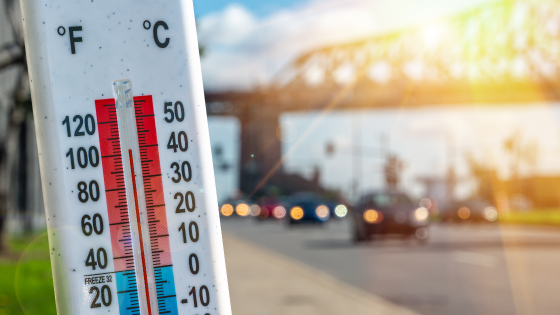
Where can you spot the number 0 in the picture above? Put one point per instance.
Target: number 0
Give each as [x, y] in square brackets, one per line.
[193, 264]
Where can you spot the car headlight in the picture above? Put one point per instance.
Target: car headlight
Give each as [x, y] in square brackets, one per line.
[491, 214]
[322, 212]
[421, 214]
[373, 217]
[255, 210]
[243, 210]
[464, 213]
[341, 211]
[226, 210]
[279, 212]
[296, 213]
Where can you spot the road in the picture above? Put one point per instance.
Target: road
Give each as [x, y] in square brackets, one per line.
[463, 269]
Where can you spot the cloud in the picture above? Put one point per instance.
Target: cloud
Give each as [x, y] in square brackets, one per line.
[244, 51]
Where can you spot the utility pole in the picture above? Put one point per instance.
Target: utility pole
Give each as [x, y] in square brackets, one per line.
[357, 156]
[451, 176]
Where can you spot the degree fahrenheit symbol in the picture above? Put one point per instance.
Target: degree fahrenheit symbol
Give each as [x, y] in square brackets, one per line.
[73, 39]
[61, 30]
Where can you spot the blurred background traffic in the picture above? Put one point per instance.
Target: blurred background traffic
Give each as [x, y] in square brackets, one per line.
[410, 149]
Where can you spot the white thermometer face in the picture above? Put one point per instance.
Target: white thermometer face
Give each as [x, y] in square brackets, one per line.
[125, 157]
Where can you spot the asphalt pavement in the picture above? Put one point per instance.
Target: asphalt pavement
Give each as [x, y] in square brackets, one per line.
[463, 269]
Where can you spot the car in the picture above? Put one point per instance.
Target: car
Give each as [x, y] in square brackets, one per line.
[271, 208]
[476, 210]
[308, 208]
[383, 213]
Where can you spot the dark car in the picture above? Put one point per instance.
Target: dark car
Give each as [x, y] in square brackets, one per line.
[308, 208]
[383, 213]
[471, 211]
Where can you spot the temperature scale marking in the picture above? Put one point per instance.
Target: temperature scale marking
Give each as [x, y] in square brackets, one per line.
[118, 210]
[155, 205]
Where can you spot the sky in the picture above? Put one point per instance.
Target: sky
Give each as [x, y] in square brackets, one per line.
[247, 43]
[257, 7]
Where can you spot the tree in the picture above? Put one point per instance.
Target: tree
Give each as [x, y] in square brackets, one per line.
[485, 177]
[522, 153]
[15, 100]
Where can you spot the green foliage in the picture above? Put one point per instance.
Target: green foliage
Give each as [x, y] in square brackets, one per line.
[26, 284]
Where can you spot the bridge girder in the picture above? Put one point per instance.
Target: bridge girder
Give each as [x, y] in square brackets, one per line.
[507, 42]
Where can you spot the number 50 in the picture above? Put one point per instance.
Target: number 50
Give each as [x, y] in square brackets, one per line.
[178, 112]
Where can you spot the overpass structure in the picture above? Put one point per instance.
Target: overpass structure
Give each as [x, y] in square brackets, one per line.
[502, 52]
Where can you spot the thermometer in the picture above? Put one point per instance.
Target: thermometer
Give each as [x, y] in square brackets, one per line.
[125, 157]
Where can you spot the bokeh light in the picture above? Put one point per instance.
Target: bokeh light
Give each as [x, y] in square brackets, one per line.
[226, 210]
[243, 209]
[255, 210]
[464, 213]
[421, 214]
[341, 211]
[279, 212]
[296, 213]
[491, 214]
[322, 212]
[426, 203]
[372, 216]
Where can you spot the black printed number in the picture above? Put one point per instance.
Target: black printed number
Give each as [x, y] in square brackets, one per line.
[177, 113]
[84, 157]
[180, 141]
[193, 264]
[89, 125]
[90, 225]
[188, 199]
[106, 297]
[83, 194]
[101, 259]
[204, 294]
[186, 172]
[193, 231]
